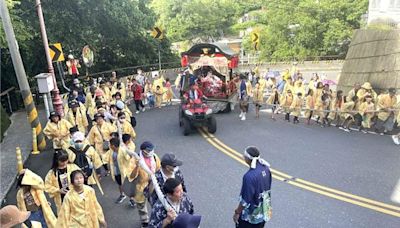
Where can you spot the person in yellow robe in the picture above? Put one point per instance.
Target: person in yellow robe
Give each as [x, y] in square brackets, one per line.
[100, 132]
[105, 87]
[159, 96]
[57, 130]
[396, 138]
[310, 102]
[80, 208]
[321, 109]
[335, 106]
[386, 111]
[273, 101]
[159, 81]
[77, 116]
[144, 185]
[353, 92]
[90, 103]
[258, 98]
[347, 113]
[313, 82]
[129, 144]
[366, 111]
[299, 87]
[93, 158]
[295, 107]
[123, 125]
[286, 102]
[30, 197]
[288, 86]
[263, 83]
[121, 107]
[365, 89]
[119, 87]
[120, 165]
[59, 174]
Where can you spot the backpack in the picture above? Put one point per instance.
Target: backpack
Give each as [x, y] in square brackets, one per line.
[83, 161]
[133, 121]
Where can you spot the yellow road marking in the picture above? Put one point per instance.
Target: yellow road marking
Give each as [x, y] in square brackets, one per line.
[332, 193]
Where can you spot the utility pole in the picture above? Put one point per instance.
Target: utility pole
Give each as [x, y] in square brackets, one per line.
[57, 101]
[21, 75]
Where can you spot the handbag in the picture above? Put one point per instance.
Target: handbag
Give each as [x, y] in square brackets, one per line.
[106, 144]
[129, 188]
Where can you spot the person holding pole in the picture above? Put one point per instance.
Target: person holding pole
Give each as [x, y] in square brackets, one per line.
[179, 205]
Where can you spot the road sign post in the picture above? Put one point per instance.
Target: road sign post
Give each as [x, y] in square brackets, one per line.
[157, 33]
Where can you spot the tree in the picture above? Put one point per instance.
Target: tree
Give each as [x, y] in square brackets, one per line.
[207, 20]
[302, 28]
[117, 31]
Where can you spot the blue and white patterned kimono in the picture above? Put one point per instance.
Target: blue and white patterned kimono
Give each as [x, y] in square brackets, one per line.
[158, 212]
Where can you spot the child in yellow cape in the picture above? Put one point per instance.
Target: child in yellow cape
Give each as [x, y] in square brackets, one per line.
[57, 129]
[57, 180]
[80, 207]
[30, 197]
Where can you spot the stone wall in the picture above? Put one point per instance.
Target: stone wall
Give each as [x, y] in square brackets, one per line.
[373, 56]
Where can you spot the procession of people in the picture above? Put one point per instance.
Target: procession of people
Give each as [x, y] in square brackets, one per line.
[361, 109]
[96, 139]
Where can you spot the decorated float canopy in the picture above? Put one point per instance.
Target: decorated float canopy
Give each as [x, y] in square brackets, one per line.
[217, 55]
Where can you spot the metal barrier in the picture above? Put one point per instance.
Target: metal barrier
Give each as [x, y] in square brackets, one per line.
[7, 93]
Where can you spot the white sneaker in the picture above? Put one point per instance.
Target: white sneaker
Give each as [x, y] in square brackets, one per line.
[137, 112]
[396, 139]
[143, 109]
[243, 117]
[341, 128]
[346, 129]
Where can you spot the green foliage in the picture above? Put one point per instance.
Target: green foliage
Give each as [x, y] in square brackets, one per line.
[207, 20]
[117, 31]
[302, 28]
[4, 121]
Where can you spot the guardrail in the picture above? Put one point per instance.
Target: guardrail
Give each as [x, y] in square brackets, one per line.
[7, 93]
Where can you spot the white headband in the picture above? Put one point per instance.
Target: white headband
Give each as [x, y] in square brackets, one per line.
[255, 159]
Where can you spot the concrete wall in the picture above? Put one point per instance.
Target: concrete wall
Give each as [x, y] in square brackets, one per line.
[373, 56]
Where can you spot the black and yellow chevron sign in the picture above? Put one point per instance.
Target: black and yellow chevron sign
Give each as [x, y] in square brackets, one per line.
[255, 39]
[157, 33]
[56, 52]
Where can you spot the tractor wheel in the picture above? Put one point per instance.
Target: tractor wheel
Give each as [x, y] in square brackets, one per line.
[212, 125]
[186, 126]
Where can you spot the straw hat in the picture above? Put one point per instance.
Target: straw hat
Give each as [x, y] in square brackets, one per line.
[366, 85]
[10, 216]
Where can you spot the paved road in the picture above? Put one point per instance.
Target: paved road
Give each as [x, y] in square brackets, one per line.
[364, 165]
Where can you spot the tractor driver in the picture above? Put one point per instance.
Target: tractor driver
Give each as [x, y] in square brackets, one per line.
[193, 94]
